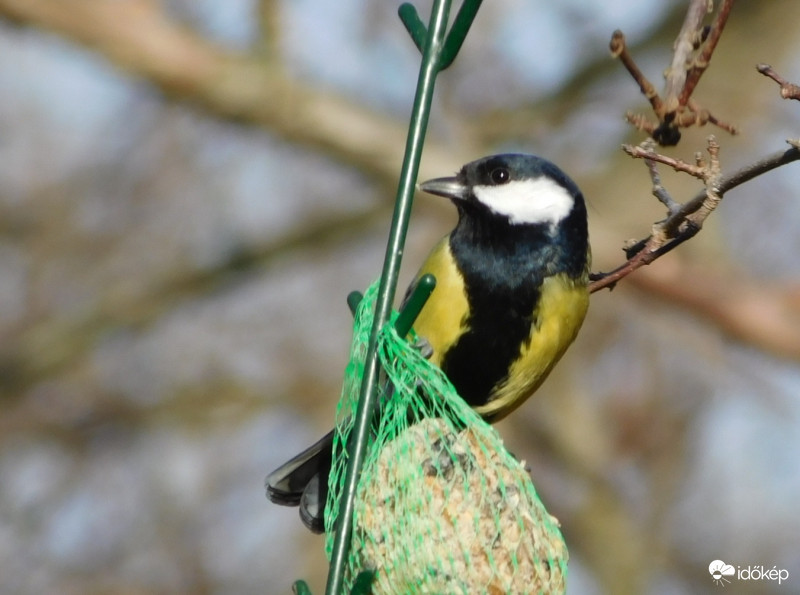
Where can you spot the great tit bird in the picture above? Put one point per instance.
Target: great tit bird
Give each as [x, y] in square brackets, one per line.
[511, 294]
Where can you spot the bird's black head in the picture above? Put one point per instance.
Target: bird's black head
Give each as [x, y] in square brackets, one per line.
[520, 204]
[520, 189]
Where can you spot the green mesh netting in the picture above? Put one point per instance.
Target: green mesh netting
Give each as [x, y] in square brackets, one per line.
[441, 506]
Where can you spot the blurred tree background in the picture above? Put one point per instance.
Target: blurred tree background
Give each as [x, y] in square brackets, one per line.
[190, 188]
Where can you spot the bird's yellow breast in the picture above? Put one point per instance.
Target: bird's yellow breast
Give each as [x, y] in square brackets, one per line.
[559, 315]
[443, 319]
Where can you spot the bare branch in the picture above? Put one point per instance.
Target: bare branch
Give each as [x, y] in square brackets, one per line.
[685, 45]
[687, 221]
[645, 151]
[702, 116]
[693, 49]
[619, 49]
[659, 191]
[702, 60]
[788, 90]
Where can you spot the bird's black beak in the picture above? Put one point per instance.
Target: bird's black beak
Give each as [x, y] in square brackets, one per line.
[452, 188]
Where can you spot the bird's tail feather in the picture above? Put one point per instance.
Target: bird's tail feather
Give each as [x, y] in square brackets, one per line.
[303, 481]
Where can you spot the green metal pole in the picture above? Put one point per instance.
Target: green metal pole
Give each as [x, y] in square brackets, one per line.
[358, 441]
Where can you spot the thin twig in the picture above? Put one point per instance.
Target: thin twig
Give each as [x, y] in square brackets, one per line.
[640, 122]
[640, 152]
[619, 49]
[656, 245]
[659, 191]
[713, 196]
[692, 53]
[685, 45]
[703, 116]
[702, 60]
[788, 90]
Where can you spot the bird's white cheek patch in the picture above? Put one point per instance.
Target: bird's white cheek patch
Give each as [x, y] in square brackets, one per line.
[527, 201]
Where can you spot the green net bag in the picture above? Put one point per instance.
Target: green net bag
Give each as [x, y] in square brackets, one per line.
[441, 505]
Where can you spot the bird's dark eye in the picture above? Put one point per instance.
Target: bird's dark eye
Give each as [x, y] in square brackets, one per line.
[499, 175]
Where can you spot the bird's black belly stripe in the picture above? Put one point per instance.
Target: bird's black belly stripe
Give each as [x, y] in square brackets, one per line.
[480, 359]
[503, 283]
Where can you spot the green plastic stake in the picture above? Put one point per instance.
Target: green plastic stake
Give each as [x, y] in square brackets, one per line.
[458, 32]
[413, 306]
[419, 295]
[432, 63]
[455, 38]
[415, 27]
[353, 300]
